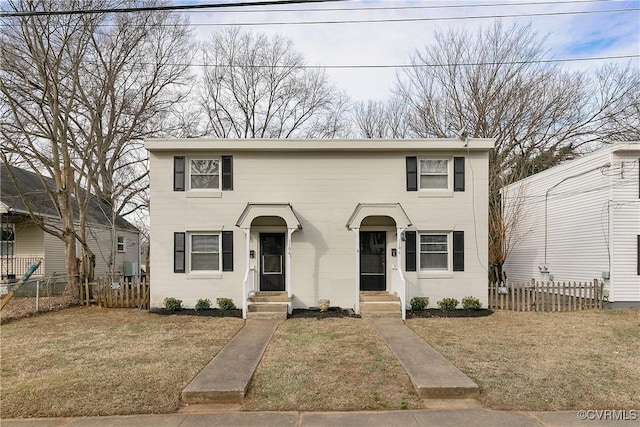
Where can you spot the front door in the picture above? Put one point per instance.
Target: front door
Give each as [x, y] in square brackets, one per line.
[373, 251]
[272, 261]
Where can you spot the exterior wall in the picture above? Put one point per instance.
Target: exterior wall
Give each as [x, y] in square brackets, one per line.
[29, 239]
[323, 187]
[591, 213]
[99, 242]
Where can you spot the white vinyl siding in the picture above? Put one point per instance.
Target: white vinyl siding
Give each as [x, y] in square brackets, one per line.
[204, 252]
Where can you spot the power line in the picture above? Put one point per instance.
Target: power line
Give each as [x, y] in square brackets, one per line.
[457, 64]
[18, 14]
[394, 20]
[387, 8]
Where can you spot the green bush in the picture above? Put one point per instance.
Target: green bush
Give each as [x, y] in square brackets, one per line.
[471, 303]
[203, 304]
[447, 304]
[419, 303]
[226, 304]
[172, 304]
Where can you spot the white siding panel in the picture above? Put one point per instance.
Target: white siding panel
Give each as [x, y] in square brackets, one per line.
[592, 215]
[29, 239]
[54, 255]
[625, 212]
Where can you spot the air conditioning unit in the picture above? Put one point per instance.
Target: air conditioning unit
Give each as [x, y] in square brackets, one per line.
[129, 268]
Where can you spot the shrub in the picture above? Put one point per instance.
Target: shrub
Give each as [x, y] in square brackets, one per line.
[172, 304]
[471, 303]
[447, 304]
[419, 303]
[203, 304]
[226, 304]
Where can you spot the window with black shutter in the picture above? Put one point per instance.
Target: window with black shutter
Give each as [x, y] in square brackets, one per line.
[410, 250]
[458, 174]
[458, 251]
[227, 251]
[412, 173]
[178, 252]
[178, 173]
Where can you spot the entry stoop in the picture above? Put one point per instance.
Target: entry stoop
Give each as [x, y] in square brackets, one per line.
[269, 305]
[380, 304]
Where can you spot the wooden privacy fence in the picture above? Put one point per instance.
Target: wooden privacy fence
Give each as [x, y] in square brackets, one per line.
[130, 293]
[546, 296]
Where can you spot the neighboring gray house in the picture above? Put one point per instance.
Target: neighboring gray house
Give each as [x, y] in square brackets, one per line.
[579, 221]
[22, 242]
[357, 222]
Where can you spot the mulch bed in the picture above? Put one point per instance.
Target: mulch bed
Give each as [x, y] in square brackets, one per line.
[434, 312]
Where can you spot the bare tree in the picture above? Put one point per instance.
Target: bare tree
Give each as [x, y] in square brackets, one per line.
[258, 87]
[80, 91]
[496, 83]
[379, 119]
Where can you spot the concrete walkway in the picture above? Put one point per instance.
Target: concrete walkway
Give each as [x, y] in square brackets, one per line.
[226, 378]
[433, 376]
[409, 418]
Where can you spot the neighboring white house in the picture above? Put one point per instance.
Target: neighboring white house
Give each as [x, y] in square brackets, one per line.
[318, 219]
[578, 221]
[23, 242]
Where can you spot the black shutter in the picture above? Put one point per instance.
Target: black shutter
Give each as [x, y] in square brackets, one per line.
[178, 252]
[410, 250]
[227, 172]
[638, 255]
[178, 173]
[412, 174]
[227, 251]
[458, 251]
[458, 174]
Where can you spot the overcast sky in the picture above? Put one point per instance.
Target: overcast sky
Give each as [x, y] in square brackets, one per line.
[575, 29]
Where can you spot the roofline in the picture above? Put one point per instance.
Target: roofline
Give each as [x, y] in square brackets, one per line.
[283, 145]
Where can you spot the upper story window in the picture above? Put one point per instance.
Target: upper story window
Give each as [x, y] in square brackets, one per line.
[204, 174]
[434, 174]
[7, 240]
[120, 244]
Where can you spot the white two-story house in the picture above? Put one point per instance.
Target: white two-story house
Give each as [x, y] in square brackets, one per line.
[303, 220]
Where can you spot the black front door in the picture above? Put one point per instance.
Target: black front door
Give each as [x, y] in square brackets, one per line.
[272, 261]
[373, 246]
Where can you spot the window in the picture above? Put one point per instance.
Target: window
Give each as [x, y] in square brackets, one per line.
[204, 252]
[434, 252]
[7, 240]
[434, 174]
[204, 174]
[120, 244]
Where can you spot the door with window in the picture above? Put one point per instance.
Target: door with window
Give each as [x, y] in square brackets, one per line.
[272, 261]
[373, 251]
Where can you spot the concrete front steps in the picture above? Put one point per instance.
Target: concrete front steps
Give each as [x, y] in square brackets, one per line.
[380, 304]
[269, 305]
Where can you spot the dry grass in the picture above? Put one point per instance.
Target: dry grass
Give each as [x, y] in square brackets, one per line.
[329, 364]
[545, 361]
[93, 361]
[20, 307]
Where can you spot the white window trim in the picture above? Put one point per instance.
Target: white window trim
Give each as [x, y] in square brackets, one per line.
[448, 272]
[10, 227]
[188, 254]
[204, 192]
[442, 191]
[124, 244]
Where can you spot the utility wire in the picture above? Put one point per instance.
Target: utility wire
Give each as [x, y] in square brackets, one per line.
[160, 8]
[457, 64]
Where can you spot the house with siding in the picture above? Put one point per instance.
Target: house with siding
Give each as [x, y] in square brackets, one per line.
[579, 221]
[282, 224]
[23, 242]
